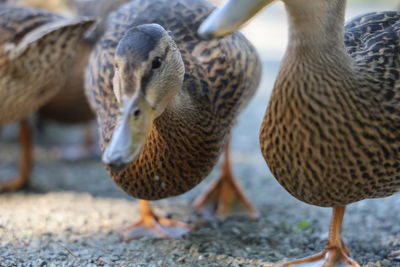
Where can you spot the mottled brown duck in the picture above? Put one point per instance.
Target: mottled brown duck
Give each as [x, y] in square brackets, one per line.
[166, 101]
[36, 48]
[70, 106]
[331, 131]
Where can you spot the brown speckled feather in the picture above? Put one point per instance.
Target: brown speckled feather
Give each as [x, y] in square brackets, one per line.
[70, 105]
[185, 141]
[331, 131]
[36, 48]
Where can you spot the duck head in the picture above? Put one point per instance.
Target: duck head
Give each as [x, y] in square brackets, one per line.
[148, 73]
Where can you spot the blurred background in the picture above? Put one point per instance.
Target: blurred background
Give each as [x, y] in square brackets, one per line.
[72, 211]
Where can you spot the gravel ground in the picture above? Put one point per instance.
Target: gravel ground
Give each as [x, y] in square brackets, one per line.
[72, 213]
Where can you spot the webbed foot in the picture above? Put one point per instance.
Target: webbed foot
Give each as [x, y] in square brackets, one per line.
[335, 251]
[150, 224]
[221, 197]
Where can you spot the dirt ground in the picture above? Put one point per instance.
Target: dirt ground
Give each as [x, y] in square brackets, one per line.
[72, 213]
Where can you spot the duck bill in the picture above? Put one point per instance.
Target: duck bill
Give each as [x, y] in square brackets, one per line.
[130, 133]
[230, 17]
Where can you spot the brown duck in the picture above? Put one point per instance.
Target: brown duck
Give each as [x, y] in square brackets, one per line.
[70, 106]
[166, 101]
[331, 131]
[36, 48]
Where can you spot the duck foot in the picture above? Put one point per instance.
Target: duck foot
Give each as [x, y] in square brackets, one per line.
[395, 255]
[222, 196]
[25, 163]
[152, 225]
[328, 257]
[13, 184]
[335, 251]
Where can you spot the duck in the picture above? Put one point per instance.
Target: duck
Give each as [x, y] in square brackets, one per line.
[165, 103]
[35, 50]
[70, 107]
[330, 132]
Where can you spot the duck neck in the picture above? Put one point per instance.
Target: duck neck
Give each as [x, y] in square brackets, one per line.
[316, 27]
[186, 112]
[181, 149]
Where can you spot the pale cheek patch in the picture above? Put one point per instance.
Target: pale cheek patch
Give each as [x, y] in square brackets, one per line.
[117, 87]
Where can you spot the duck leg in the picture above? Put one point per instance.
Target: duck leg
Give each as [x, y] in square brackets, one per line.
[335, 250]
[150, 224]
[223, 193]
[25, 163]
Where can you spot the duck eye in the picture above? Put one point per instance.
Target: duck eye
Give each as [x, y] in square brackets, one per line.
[136, 113]
[156, 63]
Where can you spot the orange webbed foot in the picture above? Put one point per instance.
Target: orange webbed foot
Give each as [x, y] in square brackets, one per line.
[13, 184]
[221, 197]
[327, 258]
[336, 251]
[152, 225]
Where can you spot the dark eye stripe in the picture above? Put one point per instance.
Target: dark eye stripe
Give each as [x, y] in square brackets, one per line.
[146, 78]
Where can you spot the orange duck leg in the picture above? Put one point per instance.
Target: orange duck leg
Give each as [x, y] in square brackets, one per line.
[149, 224]
[25, 163]
[335, 250]
[224, 193]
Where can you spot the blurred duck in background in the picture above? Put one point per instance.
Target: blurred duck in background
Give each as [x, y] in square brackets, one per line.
[166, 102]
[70, 106]
[331, 131]
[36, 48]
